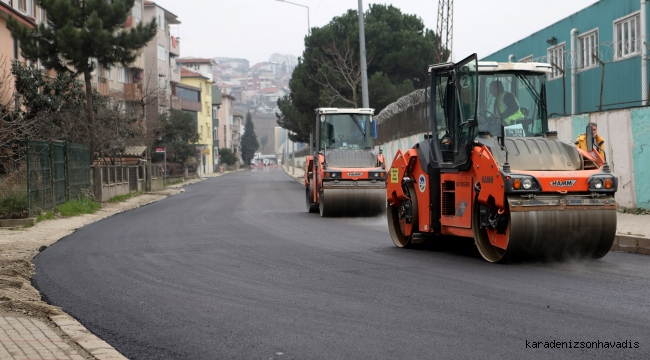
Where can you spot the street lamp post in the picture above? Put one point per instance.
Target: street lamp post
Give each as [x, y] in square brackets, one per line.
[362, 45]
[305, 6]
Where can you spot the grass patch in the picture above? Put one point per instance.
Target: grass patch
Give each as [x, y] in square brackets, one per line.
[635, 211]
[120, 198]
[49, 215]
[169, 183]
[78, 207]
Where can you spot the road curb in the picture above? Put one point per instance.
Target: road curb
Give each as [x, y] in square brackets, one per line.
[95, 346]
[631, 244]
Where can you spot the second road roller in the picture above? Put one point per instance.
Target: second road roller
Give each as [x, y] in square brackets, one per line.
[345, 174]
[490, 169]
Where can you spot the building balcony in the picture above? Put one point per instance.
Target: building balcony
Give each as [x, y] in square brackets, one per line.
[176, 102]
[103, 87]
[190, 105]
[133, 92]
[175, 46]
[163, 98]
[176, 75]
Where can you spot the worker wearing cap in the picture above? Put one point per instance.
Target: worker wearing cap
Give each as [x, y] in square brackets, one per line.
[599, 142]
[506, 105]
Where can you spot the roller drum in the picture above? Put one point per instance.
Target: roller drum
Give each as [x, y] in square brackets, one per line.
[352, 202]
[550, 235]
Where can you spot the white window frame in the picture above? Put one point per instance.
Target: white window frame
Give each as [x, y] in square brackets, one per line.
[526, 59]
[630, 46]
[160, 17]
[585, 57]
[162, 53]
[109, 73]
[555, 73]
[22, 5]
[120, 74]
[136, 11]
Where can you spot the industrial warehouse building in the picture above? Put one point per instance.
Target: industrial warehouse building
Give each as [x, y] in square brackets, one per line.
[598, 54]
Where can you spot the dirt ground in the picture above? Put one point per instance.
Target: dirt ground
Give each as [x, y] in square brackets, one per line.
[20, 245]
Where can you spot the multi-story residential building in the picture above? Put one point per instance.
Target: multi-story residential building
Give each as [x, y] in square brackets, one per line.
[203, 116]
[237, 131]
[28, 14]
[161, 72]
[124, 83]
[216, 104]
[201, 66]
[226, 113]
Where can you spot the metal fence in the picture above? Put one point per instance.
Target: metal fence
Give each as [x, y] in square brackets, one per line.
[54, 172]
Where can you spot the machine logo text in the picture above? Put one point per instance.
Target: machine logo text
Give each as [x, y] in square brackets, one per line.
[565, 183]
[354, 174]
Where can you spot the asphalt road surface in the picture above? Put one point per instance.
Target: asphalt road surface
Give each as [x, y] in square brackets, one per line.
[235, 268]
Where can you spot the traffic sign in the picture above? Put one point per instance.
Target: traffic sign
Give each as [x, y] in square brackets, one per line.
[160, 150]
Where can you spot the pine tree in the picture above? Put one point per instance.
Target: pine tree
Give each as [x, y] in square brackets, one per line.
[80, 32]
[249, 144]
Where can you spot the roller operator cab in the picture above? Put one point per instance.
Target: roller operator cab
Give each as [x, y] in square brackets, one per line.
[345, 174]
[494, 172]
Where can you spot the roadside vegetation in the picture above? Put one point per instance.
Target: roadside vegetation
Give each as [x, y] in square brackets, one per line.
[120, 198]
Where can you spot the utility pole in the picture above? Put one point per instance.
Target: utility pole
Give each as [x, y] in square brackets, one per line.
[445, 30]
[362, 51]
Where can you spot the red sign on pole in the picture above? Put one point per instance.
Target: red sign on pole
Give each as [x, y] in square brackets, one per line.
[160, 150]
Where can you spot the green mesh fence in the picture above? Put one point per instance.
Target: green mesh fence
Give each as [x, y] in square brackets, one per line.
[78, 160]
[57, 149]
[56, 172]
[39, 176]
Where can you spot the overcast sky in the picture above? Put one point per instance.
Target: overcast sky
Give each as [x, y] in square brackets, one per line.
[255, 29]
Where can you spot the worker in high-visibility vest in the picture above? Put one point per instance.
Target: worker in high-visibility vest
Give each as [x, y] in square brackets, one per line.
[506, 105]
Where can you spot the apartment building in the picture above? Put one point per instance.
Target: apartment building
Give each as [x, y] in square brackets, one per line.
[161, 72]
[198, 88]
[230, 125]
[216, 104]
[28, 14]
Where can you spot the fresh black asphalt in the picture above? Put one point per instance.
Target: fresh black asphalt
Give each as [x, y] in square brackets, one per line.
[235, 268]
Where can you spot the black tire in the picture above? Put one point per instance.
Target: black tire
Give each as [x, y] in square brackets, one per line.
[392, 216]
[311, 207]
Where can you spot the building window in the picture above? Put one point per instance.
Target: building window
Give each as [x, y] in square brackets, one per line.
[188, 94]
[526, 59]
[627, 33]
[162, 53]
[588, 50]
[120, 74]
[136, 11]
[214, 133]
[556, 57]
[109, 73]
[22, 5]
[161, 18]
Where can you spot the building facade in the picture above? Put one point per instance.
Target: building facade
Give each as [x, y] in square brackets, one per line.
[161, 72]
[201, 88]
[216, 104]
[598, 54]
[28, 14]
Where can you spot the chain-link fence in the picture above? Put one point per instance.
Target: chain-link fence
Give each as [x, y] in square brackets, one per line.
[53, 173]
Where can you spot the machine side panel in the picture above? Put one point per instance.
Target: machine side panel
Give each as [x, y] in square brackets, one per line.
[456, 196]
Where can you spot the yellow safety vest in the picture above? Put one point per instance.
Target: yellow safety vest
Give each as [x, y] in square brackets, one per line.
[502, 107]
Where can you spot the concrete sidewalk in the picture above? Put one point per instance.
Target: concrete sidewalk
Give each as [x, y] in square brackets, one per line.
[632, 231]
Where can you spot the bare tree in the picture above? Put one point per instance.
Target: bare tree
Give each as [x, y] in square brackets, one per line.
[339, 72]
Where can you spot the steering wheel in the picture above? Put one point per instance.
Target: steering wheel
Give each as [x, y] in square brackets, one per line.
[486, 113]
